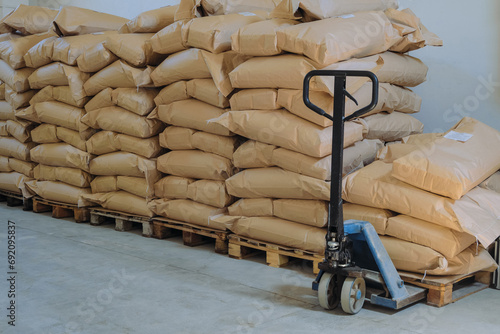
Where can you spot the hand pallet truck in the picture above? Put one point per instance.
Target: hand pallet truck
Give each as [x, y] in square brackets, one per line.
[354, 257]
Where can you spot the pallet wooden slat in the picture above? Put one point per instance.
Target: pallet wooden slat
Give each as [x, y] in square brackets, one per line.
[123, 221]
[14, 200]
[61, 210]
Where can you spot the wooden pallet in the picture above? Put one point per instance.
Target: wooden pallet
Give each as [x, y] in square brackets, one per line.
[14, 200]
[276, 256]
[61, 210]
[123, 221]
[192, 235]
[449, 289]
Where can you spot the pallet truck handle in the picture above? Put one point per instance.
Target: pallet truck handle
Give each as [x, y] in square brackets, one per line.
[335, 73]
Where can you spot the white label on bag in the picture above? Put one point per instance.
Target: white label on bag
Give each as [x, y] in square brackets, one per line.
[463, 137]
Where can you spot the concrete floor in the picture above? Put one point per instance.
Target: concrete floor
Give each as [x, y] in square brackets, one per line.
[76, 278]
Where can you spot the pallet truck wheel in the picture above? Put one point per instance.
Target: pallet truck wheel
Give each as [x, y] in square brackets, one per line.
[353, 295]
[328, 292]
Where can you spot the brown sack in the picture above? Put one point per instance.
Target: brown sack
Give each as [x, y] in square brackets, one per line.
[206, 91]
[45, 134]
[102, 100]
[68, 49]
[61, 155]
[253, 154]
[79, 21]
[422, 139]
[21, 130]
[323, 9]
[443, 240]
[451, 167]
[188, 9]
[196, 164]
[252, 207]
[104, 184]
[123, 121]
[148, 148]
[30, 20]
[213, 33]
[4, 165]
[177, 138]
[392, 152]
[60, 192]
[3, 129]
[185, 211]
[22, 167]
[103, 142]
[151, 21]
[18, 100]
[125, 164]
[95, 59]
[173, 187]
[118, 75]
[2, 91]
[72, 176]
[255, 99]
[13, 182]
[392, 127]
[276, 183]
[136, 186]
[6, 111]
[135, 49]
[60, 114]
[71, 137]
[282, 232]
[172, 93]
[225, 7]
[12, 148]
[12, 51]
[259, 39]
[375, 186]
[492, 183]
[40, 54]
[280, 128]
[220, 65]
[377, 217]
[211, 193]
[172, 38]
[137, 100]
[349, 39]
[312, 213]
[193, 114]
[64, 94]
[220, 145]
[121, 201]
[16, 79]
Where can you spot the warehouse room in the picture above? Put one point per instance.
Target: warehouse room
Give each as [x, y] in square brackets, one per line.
[265, 166]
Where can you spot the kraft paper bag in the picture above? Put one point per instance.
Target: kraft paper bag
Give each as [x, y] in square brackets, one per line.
[121, 201]
[255, 99]
[2, 91]
[60, 94]
[41, 53]
[22, 167]
[492, 183]
[118, 75]
[29, 20]
[123, 121]
[172, 38]
[4, 165]
[173, 187]
[136, 186]
[443, 240]
[14, 182]
[253, 154]
[276, 183]
[137, 100]
[391, 153]
[68, 49]
[95, 59]
[3, 129]
[259, 39]
[45, 134]
[102, 100]
[209, 192]
[280, 128]
[151, 21]
[61, 155]
[135, 49]
[60, 192]
[282, 232]
[125, 164]
[196, 164]
[60, 114]
[225, 7]
[177, 138]
[192, 114]
[323, 9]
[475, 214]
[346, 41]
[103, 142]
[148, 148]
[15, 79]
[312, 213]
[12, 51]
[377, 217]
[392, 127]
[220, 145]
[452, 167]
[186, 211]
[21, 130]
[12, 148]
[79, 21]
[206, 91]
[252, 207]
[213, 33]
[422, 139]
[172, 93]
[220, 65]
[71, 176]
[188, 9]
[18, 100]
[104, 184]
[6, 111]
